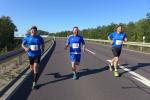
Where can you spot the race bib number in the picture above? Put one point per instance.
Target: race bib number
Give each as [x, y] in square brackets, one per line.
[75, 45]
[119, 42]
[34, 47]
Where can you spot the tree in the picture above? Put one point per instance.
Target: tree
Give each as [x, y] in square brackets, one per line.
[7, 29]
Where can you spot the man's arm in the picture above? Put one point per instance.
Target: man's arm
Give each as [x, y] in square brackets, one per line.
[111, 41]
[25, 48]
[67, 44]
[83, 45]
[125, 39]
[23, 45]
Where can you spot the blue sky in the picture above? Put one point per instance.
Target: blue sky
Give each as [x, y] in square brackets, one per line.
[60, 15]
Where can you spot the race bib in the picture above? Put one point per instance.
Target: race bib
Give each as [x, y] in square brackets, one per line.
[75, 45]
[119, 42]
[34, 47]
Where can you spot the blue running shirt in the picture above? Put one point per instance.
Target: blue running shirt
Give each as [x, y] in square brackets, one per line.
[74, 43]
[33, 43]
[117, 39]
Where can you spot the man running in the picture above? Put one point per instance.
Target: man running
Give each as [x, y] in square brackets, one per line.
[74, 42]
[32, 45]
[117, 39]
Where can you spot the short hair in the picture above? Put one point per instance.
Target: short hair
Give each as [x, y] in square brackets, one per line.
[120, 25]
[34, 27]
[76, 27]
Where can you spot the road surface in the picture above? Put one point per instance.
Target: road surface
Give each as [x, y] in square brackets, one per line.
[96, 82]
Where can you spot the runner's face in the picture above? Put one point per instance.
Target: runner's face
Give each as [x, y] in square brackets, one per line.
[119, 29]
[75, 31]
[33, 32]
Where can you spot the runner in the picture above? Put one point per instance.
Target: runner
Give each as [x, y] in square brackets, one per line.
[74, 42]
[117, 39]
[32, 45]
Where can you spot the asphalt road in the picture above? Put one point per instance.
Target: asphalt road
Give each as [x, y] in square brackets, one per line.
[96, 82]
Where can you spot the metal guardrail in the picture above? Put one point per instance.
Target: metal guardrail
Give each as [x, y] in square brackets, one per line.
[137, 46]
[127, 43]
[13, 54]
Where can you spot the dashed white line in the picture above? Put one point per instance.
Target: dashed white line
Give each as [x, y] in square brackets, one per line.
[90, 51]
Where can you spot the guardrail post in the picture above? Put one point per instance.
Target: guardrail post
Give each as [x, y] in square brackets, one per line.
[141, 48]
[127, 46]
[3, 69]
[20, 59]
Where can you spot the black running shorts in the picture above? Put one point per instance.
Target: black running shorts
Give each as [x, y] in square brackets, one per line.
[34, 60]
[116, 51]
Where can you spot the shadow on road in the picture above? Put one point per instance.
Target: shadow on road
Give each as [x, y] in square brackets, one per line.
[81, 73]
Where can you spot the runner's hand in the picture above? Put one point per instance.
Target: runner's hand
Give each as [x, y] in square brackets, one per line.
[83, 48]
[26, 49]
[111, 42]
[65, 47]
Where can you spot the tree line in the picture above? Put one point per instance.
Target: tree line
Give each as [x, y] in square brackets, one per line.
[134, 30]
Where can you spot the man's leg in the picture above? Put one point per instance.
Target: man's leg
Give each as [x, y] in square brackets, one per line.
[111, 64]
[74, 66]
[112, 61]
[74, 69]
[35, 71]
[116, 64]
[116, 67]
[31, 61]
[77, 63]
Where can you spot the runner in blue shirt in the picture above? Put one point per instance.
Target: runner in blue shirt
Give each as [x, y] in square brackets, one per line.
[117, 38]
[32, 45]
[74, 43]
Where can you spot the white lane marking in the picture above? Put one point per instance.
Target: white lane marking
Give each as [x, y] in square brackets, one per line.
[143, 81]
[136, 76]
[90, 51]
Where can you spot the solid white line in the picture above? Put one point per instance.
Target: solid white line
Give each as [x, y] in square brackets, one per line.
[143, 81]
[136, 76]
[90, 51]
